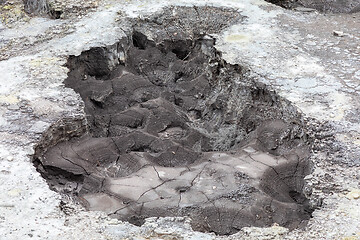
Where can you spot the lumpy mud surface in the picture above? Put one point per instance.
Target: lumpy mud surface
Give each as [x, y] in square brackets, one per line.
[174, 130]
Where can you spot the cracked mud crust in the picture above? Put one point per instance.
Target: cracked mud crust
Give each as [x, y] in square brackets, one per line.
[176, 131]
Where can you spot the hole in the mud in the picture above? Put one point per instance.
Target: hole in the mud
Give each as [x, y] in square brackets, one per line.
[212, 144]
[181, 54]
[56, 14]
[139, 40]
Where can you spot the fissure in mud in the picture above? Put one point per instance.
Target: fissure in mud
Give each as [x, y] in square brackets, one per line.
[174, 130]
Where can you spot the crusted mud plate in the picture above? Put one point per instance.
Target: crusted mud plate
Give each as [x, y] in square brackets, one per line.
[174, 130]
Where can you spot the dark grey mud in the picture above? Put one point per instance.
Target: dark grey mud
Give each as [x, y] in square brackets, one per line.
[326, 6]
[174, 130]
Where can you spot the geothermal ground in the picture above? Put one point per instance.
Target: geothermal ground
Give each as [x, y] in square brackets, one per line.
[186, 120]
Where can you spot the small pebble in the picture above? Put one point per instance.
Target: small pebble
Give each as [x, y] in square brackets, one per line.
[339, 33]
[113, 222]
[356, 195]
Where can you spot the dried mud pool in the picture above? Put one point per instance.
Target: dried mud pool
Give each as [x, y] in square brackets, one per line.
[174, 130]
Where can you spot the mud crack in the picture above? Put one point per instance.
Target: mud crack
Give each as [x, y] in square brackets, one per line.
[174, 130]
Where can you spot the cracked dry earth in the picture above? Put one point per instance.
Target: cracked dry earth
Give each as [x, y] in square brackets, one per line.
[176, 131]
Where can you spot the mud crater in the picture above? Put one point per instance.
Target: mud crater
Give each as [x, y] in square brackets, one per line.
[174, 130]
